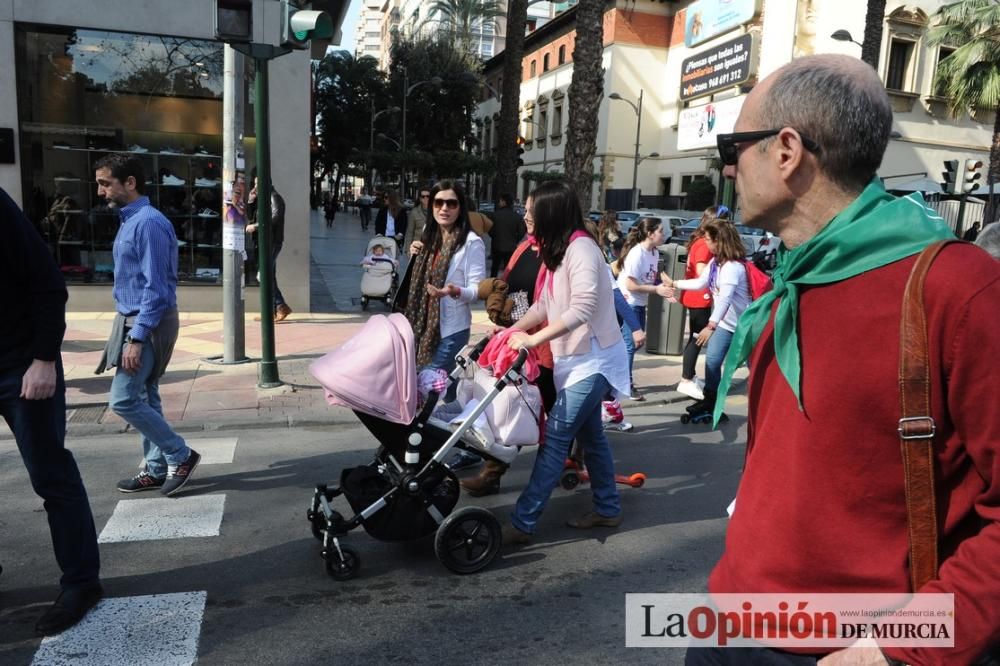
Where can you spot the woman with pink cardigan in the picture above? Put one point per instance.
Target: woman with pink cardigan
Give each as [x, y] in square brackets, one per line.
[589, 359]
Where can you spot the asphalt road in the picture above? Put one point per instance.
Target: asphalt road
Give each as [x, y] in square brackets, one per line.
[264, 596]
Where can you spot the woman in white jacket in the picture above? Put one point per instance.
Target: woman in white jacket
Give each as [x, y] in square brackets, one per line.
[449, 260]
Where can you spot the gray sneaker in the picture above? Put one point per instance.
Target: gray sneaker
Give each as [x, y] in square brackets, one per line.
[178, 476]
[141, 481]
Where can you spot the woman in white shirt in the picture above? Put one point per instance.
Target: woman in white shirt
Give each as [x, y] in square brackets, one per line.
[637, 266]
[726, 278]
[448, 262]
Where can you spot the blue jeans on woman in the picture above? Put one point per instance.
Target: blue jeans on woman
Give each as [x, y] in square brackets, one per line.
[576, 414]
[718, 346]
[136, 398]
[444, 355]
[640, 314]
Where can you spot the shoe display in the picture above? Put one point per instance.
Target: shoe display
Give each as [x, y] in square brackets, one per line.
[511, 536]
[461, 459]
[172, 180]
[136, 148]
[65, 175]
[201, 150]
[177, 477]
[592, 519]
[205, 182]
[169, 150]
[141, 481]
[69, 608]
[691, 389]
[207, 212]
[62, 145]
[282, 312]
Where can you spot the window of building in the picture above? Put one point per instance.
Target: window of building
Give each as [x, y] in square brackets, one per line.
[687, 180]
[486, 49]
[532, 68]
[557, 113]
[530, 25]
[562, 54]
[665, 187]
[898, 70]
[83, 93]
[545, 62]
[943, 53]
[543, 122]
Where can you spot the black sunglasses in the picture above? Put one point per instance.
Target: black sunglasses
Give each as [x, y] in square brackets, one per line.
[450, 203]
[729, 150]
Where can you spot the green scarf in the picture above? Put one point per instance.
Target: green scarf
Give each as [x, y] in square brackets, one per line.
[876, 229]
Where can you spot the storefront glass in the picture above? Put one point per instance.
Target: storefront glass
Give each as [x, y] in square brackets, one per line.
[85, 93]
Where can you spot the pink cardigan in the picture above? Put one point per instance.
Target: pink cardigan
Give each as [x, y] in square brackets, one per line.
[579, 293]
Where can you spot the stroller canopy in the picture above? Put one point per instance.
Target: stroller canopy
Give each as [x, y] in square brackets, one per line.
[375, 371]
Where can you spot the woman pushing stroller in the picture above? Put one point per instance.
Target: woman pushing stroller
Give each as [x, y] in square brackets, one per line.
[589, 359]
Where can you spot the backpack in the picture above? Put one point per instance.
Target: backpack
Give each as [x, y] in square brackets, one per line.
[758, 281]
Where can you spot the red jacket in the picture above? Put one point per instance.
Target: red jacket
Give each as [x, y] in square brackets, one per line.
[820, 507]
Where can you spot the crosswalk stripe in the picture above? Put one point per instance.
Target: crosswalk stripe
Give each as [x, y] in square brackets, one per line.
[164, 518]
[215, 450]
[154, 630]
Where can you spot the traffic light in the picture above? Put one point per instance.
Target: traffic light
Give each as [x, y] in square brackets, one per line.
[973, 172]
[950, 175]
[234, 20]
[520, 150]
[299, 24]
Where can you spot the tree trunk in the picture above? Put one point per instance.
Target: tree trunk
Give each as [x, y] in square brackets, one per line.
[510, 100]
[993, 171]
[585, 91]
[872, 43]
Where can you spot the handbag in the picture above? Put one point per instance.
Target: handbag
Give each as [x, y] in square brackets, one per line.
[514, 415]
[520, 305]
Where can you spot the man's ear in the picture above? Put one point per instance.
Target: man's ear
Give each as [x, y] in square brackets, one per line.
[130, 183]
[790, 150]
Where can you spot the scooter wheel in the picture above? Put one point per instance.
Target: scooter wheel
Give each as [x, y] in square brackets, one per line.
[342, 568]
[569, 480]
[637, 480]
[685, 418]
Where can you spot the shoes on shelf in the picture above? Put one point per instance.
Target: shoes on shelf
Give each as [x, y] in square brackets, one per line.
[62, 145]
[65, 175]
[205, 182]
[170, 150]
[207, 212]
[136, 148]
[172, 180]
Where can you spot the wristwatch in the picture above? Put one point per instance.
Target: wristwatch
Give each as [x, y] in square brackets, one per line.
[132, 341]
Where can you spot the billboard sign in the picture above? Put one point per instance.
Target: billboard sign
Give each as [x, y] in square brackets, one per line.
[706, 19]
[718, 68]
[699, 125]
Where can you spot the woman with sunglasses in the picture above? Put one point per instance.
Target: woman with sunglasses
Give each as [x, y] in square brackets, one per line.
[448, 262]
[577, 308]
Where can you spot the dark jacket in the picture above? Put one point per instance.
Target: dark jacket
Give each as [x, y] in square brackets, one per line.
[508, 230]
[383, 219]
[32, 292]
[277, 216]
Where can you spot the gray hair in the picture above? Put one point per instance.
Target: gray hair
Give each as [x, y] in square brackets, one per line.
[839, 103]
[989, 239]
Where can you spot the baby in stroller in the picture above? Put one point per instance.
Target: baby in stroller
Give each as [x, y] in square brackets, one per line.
[380, 279]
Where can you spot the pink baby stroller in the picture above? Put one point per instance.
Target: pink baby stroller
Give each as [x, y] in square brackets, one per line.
[406, 492]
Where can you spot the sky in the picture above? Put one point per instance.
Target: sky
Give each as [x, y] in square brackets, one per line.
[350, 26]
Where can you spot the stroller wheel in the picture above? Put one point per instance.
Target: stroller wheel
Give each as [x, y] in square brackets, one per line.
[318, 522]
[468, 540]
[344, 568]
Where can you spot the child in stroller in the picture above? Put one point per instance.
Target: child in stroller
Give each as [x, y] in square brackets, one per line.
[380, 279]
[406, 492]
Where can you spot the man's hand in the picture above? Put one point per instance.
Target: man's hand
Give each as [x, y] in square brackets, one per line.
[131, 358]
[251, 228]
[39, 381]
[639, 338]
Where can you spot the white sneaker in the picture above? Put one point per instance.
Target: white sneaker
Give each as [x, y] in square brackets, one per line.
[691, 389]
[172, 180]
[205, 182]
[136, 148]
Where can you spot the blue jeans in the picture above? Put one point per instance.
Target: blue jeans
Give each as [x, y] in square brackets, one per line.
[576, 414]
[444, 356]
[718, 345]
[640, 313]
[39, 426]
[136, 398]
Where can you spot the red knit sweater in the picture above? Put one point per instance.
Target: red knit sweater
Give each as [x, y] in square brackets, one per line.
[821, 505]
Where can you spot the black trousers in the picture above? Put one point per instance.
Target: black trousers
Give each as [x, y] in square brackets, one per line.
[500, 260]
[698, 318]
[39, 426]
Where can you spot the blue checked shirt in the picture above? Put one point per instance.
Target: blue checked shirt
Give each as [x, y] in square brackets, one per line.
[145, 253]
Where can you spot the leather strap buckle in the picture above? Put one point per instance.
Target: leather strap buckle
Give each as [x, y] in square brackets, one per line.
[917, 427]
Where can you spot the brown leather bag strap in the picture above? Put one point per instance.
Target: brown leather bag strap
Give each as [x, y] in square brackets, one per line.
[916, 426]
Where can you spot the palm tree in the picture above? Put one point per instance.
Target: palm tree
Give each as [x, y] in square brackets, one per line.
[585, 91]
[464, 19]
[872, 42]
[510, 98]
[970, 76]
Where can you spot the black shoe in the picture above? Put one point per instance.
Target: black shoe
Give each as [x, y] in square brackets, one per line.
[141, 481]
[69, 608]
[178, 476]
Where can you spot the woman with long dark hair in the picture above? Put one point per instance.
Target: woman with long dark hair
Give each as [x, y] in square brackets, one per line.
[577, 308]
[448, 262]
[392, 219]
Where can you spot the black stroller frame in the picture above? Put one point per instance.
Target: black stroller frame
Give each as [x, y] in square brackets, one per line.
[407, 501]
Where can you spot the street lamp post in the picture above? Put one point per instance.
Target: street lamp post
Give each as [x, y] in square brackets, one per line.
[407, 89]
[844, 36]
[371, 139]
[638, 126]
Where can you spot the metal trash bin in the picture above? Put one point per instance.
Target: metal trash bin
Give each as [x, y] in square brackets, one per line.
[664, 320]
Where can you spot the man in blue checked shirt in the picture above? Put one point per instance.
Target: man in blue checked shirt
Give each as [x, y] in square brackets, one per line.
[145, 328]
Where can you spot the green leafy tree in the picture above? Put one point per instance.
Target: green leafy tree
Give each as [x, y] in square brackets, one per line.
[700, 194]
[462, 20]
[970, 76]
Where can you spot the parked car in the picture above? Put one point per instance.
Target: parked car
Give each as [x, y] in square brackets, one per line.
[761, 246]
[627, 218]
[683, 232]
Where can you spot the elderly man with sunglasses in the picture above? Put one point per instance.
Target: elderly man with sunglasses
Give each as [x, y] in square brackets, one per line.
[822, 505]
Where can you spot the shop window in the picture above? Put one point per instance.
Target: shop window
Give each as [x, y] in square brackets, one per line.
[900, 60]
[85, 93]
[562, 54]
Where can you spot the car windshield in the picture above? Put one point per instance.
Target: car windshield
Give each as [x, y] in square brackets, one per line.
[749, 231]
[628, 217]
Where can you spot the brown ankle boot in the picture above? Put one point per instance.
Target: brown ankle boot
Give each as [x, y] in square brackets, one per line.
[488, 480]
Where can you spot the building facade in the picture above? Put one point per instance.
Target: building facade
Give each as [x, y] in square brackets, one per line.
[692, 64]
[151, 88]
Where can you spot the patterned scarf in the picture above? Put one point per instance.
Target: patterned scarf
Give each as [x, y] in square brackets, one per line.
[876, 229]
[423, 311]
